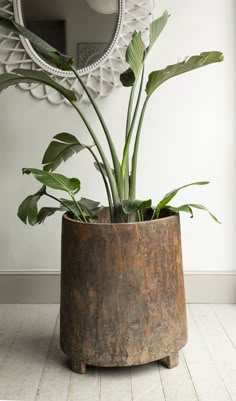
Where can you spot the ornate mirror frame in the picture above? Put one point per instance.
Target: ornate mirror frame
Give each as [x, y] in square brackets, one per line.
[101, 77]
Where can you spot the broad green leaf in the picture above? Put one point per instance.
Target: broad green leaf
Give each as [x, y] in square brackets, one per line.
[89, 204]
[188, 208]
[54, 180]
[156, 28]
[131, 206]
[19, 76]
[91, 215]
[56, 58]
[177, 209]
[46, 212]
[44, 78]
[135, 54]
[168, 197]
[61, 149]
[156, 78]
[28, 209]
[70, 206]
[201, 207]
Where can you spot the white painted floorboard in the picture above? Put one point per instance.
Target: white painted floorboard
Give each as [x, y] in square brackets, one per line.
[33, 368]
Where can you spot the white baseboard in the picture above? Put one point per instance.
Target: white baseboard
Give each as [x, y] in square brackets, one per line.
[44, 287]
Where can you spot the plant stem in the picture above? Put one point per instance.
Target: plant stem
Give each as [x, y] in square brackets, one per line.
[128, 123]
[135, 153]
[112, 182]
[125, 160]
[116, 163]
[78, 207]
[153, 215]
[62, 203]
[105, 183]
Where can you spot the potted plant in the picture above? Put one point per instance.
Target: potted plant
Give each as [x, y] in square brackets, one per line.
[122, 291]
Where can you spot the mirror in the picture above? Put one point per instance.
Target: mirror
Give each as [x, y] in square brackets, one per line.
[83, 29]
[102, 30]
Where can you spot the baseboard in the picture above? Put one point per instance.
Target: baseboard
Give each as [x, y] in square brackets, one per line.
[44, 287]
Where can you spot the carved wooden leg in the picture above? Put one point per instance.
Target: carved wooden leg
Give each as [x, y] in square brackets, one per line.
[78, 365]
[171, 361]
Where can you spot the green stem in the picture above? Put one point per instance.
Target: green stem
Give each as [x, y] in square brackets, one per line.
[62, 203]
[105, 183]
[128, 123]
[116, 163]
[129, 135]
[153, 215]
[111, 179]
[135, 153]
[78, 207]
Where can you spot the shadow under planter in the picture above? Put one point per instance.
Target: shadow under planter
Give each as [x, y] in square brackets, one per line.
[122, 293]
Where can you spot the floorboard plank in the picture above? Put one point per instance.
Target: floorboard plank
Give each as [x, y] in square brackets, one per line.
[222, 350]
[10, 320]
[85, 387]
[205, 375]
[21, 371]
[146, 383]
[177, 382]
[227, 317]
[55, 379]
[116, 384]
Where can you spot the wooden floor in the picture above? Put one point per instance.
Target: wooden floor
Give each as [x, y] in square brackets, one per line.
[33, 368]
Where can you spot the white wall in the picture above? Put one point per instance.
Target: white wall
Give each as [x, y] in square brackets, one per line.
[188, 135]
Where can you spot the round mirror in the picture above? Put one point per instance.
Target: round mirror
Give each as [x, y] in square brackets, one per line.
[83, 29]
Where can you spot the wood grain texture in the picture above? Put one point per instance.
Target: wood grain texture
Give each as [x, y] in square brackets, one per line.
[122, 292]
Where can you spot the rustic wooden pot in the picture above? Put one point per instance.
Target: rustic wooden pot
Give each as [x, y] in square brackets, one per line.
[122, 293]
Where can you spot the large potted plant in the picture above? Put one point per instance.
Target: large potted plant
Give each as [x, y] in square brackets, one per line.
[122, 291]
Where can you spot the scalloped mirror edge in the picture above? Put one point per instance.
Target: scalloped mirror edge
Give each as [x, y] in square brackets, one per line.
[101, 77]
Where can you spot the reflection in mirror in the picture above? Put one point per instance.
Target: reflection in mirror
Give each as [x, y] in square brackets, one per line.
[83, 29]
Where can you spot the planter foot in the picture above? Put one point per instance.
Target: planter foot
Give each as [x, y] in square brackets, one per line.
[171, 361]
[78, 366]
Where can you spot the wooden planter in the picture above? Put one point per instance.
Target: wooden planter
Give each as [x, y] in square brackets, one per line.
[122, 293]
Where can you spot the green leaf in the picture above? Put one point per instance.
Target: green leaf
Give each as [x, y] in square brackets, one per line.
[102, 167]
[157, 27]
[53, 55]
[135, 54]
[168, 197]
[177, 209]
[188, 209]
[89, 204]
[54, 180]
[90, 208]
[131, 206]
[60, 150]
[46, 212]
[44, 78]
[28, 209]
[19, 76]
[156, 78]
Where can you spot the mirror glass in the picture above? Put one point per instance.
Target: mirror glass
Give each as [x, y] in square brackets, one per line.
[83, 29]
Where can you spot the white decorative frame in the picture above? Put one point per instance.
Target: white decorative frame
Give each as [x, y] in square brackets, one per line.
[101, 77]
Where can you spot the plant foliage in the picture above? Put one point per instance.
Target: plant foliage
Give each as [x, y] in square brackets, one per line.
[119, 177]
